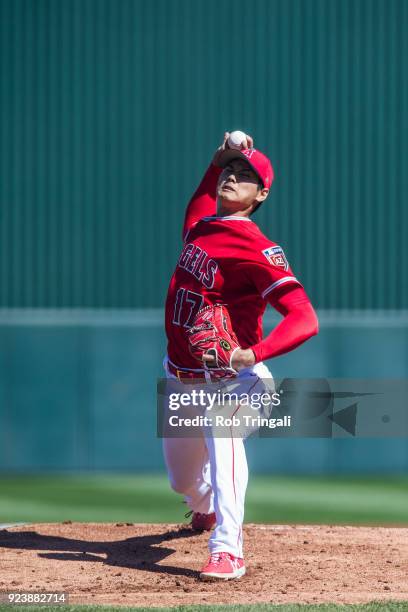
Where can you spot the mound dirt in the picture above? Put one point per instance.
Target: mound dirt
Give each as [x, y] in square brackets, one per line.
[157, 565]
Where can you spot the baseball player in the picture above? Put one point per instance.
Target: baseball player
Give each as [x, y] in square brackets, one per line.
[227, 259]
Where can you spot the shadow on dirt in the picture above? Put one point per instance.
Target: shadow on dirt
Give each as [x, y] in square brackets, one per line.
[142, 552]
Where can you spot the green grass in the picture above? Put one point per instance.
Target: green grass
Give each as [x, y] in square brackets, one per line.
[148, 498]
[370, 607]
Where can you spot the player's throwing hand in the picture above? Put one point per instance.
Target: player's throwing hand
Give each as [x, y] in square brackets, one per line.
[247, 143]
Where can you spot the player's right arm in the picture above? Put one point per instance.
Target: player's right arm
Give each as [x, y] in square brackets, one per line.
[204, 200]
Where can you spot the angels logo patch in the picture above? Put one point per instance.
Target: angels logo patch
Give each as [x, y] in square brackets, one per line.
[276, 257]
[249, 153]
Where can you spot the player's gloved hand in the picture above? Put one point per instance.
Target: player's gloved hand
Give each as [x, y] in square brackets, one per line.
[248, 143]
[242, 358]
[212, 336]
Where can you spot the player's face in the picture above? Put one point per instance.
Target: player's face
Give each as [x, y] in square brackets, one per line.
[238, 186]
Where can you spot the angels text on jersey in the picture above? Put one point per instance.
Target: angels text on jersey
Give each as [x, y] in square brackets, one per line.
[195, 260]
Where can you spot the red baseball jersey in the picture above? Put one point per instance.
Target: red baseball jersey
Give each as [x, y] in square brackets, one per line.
[228, 260]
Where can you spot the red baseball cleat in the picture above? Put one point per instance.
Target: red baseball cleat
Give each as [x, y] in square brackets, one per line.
[203, 522]
[223, 566]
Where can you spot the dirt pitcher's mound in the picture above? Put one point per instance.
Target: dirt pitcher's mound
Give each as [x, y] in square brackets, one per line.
[157, 565]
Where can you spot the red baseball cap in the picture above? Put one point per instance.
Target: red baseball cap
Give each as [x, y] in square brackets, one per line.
[257, 160]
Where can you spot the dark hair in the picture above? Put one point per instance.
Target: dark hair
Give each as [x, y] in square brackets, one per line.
[260, 186]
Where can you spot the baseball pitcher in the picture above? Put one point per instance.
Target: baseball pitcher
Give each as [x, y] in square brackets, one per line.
[227, 273]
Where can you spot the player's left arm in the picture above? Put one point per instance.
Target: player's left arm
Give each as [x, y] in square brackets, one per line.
[299, 323]
[269, 273]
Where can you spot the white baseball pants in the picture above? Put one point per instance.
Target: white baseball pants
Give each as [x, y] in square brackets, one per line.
[212, 472]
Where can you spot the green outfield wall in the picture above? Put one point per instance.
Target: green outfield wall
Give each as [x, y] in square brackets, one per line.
[110, 111]
[78, 392]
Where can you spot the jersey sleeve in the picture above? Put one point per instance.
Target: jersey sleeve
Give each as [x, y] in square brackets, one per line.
[267, 269]
[299, 324]
[204, 200]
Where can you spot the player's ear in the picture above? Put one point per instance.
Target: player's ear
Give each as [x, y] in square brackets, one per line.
[262, 194]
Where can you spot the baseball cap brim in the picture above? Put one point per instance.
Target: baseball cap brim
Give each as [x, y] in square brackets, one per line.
[230, 154]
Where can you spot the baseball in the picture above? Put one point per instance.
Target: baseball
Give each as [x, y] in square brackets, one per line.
[236, 139]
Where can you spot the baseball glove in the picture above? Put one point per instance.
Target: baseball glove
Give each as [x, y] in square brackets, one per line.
[212, 333]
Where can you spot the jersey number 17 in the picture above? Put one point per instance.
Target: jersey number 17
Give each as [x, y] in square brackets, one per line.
[188, 303]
